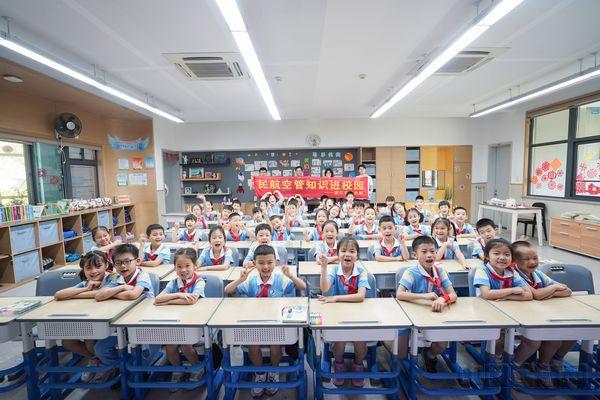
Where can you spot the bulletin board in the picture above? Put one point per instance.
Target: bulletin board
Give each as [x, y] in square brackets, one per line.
[236, 176]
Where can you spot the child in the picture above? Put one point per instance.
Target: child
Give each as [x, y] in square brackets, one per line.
[209, 260]
[369, 229]
[348, 282]
[552, 352]
[93, 276]
[257, 216]
[316, 234]
[187, 288]
[128, 283]
[426, 281]
[302, 208]
[389, 204]
[237, 207]
[419, 203]
[447, 249]
[197, 212]
[487, 230]
[224, 221]
[444, 207]
[334, 214]
[264, 235]
[274, 202]
[265, 282]
[390, 248]
[155, 252]
[323, 201]
[359, 214]
[209, 213]
[348, 206]
[280, 233]
[102, 242]
[328, 246]
[188, 234]
[462, 228]
[237, 231]
[413, 226]
[398, 213]
[292, 219]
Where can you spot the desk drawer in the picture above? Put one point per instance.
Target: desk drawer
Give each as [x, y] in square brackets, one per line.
[26, 265]
[571, 227]
[590, 232]
[590, 248]
[22, 238]
[48, 231]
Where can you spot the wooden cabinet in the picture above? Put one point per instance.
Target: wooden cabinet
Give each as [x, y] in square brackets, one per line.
[578, 236]
[390, 164]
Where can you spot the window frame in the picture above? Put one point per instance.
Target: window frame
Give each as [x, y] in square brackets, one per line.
[68, 184]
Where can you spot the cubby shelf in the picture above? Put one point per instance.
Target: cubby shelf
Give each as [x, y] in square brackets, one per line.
[199, 179]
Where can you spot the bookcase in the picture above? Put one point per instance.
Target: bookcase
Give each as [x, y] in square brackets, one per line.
[25, 244]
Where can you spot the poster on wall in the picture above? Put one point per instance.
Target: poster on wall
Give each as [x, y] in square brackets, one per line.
[338, 172]
[138, 179]
[121, 179]
[128, 145]
[149, 161]
[123, 163]
[588, 170]
[547, 176]
[294, 163]
[348, 167]
[137, 163]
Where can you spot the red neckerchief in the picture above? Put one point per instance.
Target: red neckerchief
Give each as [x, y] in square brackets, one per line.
[506, 281]
[219, 261]
[188, 284]
[280, 236]
[418, 231]
[291, 222]
[388, 253]
[332, 252]
[202, 221]
[264, 290]
[319, 232]
[481, 242]
[460, 231]
[352, 285]
[151, 256]
[109, 261]
[234, 237]
[438, 284]
[133, 280]
[188, 237]
[360, 222]
[536, 285]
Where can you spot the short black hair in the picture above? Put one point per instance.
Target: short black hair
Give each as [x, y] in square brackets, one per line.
[261, 169]
[264, 250]
[188, 252]
[360, 204]
[263, 227]
[154, 227]
[126, 248]
[94, 257]
[298, 167]
[420, 241]
[215, 229]
[292, 202]
[390, 198]
[274, 216]
[190, 217]
[228, 208]
[256, 210]
[493, 244]
[444, 203]
[444, 221]
[361, 166]
[516, 246]
[331, 222]
[348, 241]
[233, 214]
[485, 222]
[460, 208]
[324, 197]
[236, 201]
[419, 197]
[328, 170]
[98, 229]
[386, 218]
[349, 192]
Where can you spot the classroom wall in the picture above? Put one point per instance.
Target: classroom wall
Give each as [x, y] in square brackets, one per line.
[33, 116]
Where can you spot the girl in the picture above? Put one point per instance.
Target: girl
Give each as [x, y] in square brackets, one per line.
[93, 276]
[316, 234]
[328, 245]
[446, 248]
[348, 282]
[369, 229]
[102, 242]
[186, 289]
[209, 212]
[274, 202]
[190, 233]
[329, 203]
[200, 220]
[398, 213]
[216, 257]
[413, 225]
[334, 214]
[328, 173]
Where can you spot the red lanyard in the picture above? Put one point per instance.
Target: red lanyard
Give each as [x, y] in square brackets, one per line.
[264, 290]
[352, 286]
[481, 242]
[189, 284]
[438, 284]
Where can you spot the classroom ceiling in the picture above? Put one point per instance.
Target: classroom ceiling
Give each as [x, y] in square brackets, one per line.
[317, 48]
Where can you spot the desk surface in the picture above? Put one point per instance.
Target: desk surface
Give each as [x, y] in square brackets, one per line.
[530, 209]
[554, 312]
[241, 245]
[592, 300]
[451, 266]
[161, 270]
[467, 312]
[376, 313]
[288, 244]
[80, 310]
[6, 301]
[221, 274]
[235, 312]
[147, 314]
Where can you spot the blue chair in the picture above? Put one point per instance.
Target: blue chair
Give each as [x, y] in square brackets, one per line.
[282, 254]
[311, 255]
[235, 254]
[371, 253]
[471, 276]
[214, 286]
[155, 280]
[399, 274]
[51, 282]
[576, 277]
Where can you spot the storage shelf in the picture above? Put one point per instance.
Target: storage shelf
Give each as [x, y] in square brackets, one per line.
[25, 251]
[73, 238]
[199, 179]
[223, 164]
[51, 244]
[3, 256]
[207, 194]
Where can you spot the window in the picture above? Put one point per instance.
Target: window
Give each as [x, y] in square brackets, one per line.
[564, 153]
[14, 170]
[81, 173]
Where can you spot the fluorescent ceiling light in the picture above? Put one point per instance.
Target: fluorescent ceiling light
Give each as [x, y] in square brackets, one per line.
[233, 17]
[9, 44]
[552, 87]
[472, 33]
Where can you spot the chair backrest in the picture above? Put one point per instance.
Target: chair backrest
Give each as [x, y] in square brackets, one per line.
[312, 254]
[372, 292]
[204, 236]
[155, 280]
[235, 254]
[283, 255]
[399, 274]
[51, 282]
[576, 277]
[371, 253]
[542, 206]
[471, 277]
[214, 286]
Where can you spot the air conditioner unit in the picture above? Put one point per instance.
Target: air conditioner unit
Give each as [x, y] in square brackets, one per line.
[209, 66]
[467, 61]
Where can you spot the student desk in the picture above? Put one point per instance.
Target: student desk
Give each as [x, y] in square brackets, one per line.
[9, 330]
[311, 271]
[373, 319]
[514, 216]
[161, 270]
[592, 300]
[148, 324]
[257, 321]
[470, 318]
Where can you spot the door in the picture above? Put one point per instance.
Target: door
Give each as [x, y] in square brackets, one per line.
[172, 174]
[461, 191]
[499, 178]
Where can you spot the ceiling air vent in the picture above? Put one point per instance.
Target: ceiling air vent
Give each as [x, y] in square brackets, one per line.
[468, 60]
[208, 66]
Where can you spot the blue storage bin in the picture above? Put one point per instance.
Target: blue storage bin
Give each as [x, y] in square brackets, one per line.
[48, 232]
[412, 183]
[22, 238]
[104, 219]
[88, 243]
[413, 155]
[26, 265]
[412, 169]
[411, 195]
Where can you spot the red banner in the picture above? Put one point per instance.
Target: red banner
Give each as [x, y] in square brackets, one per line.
[312, 187]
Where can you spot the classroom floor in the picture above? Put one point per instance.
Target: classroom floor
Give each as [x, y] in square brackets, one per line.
[10, 352]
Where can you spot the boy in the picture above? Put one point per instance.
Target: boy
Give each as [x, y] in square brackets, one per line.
[298, 171]
[265, 282]
[280, 233]
[348, 206]
[188, 234]
[237, 231]
[461, 227]
[426, 281]
[322, 201]
[444, 207]
[291, 215]
[262, 171]
[487, 230]
[389, 248]
[419, 203]
[359, 214]
[128, 282]
[264, 235]
[227, 210]
[237, 207]
[362, 171]
[155, 252]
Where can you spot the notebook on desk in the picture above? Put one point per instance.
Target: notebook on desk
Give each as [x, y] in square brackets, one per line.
[294, 313]
[19, 307]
